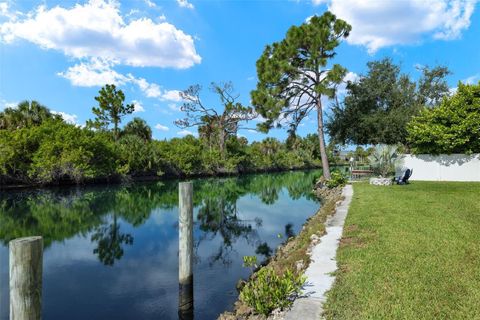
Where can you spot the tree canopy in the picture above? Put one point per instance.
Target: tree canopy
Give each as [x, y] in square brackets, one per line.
[293, 76]
[25, 114]
[139, 128]
[110, 109]
[214, 126]
[452, 127]
[377, 107]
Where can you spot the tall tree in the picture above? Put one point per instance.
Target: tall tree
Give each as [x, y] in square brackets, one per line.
[110, 109]
[212, 124]
[293, 76]
[377, 107]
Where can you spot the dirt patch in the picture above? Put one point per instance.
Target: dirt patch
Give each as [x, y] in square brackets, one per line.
[352, 242]
[350, 228]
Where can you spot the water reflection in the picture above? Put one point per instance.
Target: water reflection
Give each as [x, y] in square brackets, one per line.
[232, 217]
[61, 213]
[109, 241]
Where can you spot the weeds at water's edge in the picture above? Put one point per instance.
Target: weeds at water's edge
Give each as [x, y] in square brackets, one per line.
[293, 255]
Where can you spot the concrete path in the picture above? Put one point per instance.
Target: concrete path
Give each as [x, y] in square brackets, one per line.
[319, 278]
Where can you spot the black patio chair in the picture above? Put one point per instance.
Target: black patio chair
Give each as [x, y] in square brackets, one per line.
[403, 179]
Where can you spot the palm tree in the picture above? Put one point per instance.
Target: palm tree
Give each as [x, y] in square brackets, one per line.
[25, 114]
[138, 127]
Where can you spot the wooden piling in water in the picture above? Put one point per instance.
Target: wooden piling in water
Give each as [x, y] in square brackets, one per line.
[185, 256]
[26, 264]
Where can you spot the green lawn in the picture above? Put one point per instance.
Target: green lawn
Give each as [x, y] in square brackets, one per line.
[409, 252]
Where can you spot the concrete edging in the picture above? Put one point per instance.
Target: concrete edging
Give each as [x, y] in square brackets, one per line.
[322, 265]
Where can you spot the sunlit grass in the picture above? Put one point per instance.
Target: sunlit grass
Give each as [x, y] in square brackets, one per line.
[410, 252]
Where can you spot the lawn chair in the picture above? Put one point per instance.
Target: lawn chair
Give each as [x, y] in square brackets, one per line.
[403, 179]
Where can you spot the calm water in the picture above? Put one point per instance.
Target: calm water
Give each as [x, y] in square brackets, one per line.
[111, 252]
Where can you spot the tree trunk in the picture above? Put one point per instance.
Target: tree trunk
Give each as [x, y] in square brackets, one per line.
[321, 138]
[222, 142]
[115, 130]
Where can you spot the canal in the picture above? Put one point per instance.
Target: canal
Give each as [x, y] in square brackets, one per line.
[111, 251]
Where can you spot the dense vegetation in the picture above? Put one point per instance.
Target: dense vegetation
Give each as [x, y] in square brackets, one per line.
[37, 146]
[452, 127]
[378, 106]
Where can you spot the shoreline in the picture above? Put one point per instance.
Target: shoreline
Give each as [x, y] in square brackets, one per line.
[129, 179]
[294, 254]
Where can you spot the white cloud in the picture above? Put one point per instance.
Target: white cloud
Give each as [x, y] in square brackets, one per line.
[342, 88]
[172, 95]
[96, 72]
[137, 106]
[158, 126]
[318, 2]
[351, 76]
[7, 13]
[151, 90]
[97, 29]
[184, 133]
[185, 4]
[7, 104]
[10, 104]
[378, 24]
[4, 8]
[150, 4]
[69, 118]
[472, 80]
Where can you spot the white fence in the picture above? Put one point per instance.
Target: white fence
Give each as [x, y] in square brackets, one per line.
[454, 167]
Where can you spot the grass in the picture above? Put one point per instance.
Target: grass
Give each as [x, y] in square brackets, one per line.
[409, 252]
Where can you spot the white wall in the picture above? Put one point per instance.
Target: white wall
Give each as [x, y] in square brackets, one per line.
[454, 167]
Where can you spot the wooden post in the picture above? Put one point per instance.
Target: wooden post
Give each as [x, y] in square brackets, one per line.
[26, 263]
[185, 255]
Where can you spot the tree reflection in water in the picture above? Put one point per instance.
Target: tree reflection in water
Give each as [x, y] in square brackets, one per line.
[100, 212]
[218, 216]
[109, 241]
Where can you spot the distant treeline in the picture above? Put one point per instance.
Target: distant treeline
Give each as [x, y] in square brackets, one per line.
[39, 147]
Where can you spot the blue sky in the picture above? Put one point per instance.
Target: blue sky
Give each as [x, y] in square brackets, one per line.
[61, 52]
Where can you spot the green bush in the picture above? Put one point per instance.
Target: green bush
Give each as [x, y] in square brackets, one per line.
[269, 291]
[452, 127]
[337, 179]
[138, 157]
[69, 152]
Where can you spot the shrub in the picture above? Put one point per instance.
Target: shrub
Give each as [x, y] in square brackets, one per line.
[269, 291]
[452, 127]
[72, 153]
[337, 179]
[383, 159]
